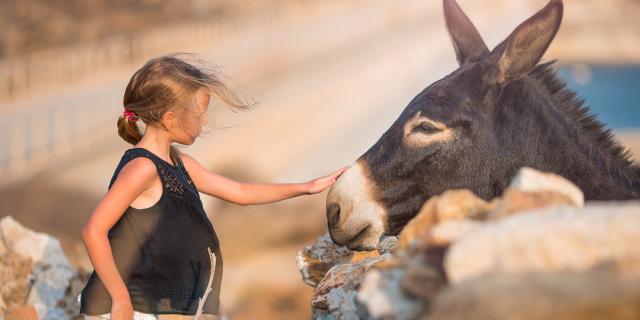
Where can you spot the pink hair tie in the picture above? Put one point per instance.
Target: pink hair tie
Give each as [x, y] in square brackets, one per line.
[130, 115]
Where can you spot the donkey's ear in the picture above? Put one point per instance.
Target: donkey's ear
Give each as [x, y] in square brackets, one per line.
[522, 50]
[466, 40]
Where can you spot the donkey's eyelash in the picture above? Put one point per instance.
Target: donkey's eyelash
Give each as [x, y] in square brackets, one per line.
[425, 127]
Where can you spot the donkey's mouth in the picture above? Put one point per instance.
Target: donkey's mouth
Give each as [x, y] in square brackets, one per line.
[362, 241]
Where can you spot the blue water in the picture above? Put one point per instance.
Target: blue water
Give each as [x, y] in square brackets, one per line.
[611, 91]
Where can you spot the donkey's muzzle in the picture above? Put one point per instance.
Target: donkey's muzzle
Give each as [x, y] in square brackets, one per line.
[333, 214]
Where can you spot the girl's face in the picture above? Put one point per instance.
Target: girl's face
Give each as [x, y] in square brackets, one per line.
[193, 118]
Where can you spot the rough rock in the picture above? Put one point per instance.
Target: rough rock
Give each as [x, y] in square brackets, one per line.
[347, 276]
[531, 180]
[315, 260]
[21, 312]
[524, 255]
[448, 232]
[532, 189]
[359, 256]
[422, 280]
[70, 304]
[551, 239]
[343, 276]
[387, 243]
[597, 294]
[383, 298]
[448, 206]
[342, 305]
[49, 270]
[15, 276]
[515, 201]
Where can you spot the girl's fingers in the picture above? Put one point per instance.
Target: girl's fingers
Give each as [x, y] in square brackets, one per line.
[340, 171]
[331, 178]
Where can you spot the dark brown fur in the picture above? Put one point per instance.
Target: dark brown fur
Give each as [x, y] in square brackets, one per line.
[507, 112]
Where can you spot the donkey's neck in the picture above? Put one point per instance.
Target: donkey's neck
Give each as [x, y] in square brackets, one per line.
[573, 143]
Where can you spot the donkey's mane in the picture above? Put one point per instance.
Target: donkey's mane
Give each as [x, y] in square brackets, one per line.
[602, 137]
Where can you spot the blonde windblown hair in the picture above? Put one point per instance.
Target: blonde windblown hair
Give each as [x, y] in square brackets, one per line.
[168, 82]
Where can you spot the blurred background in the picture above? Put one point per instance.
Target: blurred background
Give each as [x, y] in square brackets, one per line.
[329, 76]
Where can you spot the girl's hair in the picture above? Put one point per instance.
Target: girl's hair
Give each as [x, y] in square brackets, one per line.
[165, 83]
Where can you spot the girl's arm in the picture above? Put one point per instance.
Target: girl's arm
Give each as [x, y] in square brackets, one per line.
[134, 178]
[251, 193]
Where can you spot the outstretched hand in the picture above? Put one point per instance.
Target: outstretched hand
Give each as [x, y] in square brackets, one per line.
[319, 184]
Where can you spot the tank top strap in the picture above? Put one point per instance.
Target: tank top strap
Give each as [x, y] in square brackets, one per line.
[174, 178]
[131, 154]
[193, 191]
[186, 174]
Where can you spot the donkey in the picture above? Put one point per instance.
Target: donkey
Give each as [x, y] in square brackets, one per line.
[473, 129]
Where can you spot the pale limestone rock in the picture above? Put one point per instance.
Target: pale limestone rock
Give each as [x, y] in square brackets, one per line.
[51, 271]
[380, 293]
[359, 256]
[532, 189]
[595, 295]
[450, 231]
[422, 280]
[3, 249]
[22, 312]
[15, 273]
[387, 243]
[342, 304]
[315, 260]
[531, 180]
[557, 236]
[346, 276]
[514, 201]
[551, 239]
[451, 205]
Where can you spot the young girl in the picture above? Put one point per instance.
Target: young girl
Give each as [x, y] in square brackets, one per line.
[147, 238]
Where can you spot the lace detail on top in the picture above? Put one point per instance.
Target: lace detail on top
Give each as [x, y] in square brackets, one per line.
[175, 179]
[174, 184]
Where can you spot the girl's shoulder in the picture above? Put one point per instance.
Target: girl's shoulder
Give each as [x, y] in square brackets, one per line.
[189, 162]
[137, 173]
[138, 157]
[175, 179]
[136, 161]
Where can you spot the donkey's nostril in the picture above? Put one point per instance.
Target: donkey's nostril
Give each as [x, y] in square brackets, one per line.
[333, 214]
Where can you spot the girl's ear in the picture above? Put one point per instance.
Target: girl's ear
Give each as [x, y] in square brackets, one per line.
[169, 120]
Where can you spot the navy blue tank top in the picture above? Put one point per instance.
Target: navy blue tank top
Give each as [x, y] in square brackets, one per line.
[161, 251]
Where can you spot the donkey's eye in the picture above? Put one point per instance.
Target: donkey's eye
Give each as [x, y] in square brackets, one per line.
[425, 127]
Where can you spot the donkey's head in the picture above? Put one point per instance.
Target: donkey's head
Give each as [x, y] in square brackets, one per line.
[454, 134]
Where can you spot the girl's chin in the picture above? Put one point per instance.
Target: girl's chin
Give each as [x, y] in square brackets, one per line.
[186, 142]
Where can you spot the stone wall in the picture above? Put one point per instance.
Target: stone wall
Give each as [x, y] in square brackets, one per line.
[536, 252]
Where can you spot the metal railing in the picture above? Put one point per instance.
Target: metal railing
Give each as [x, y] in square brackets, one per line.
[22, 75]
[34, 137]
